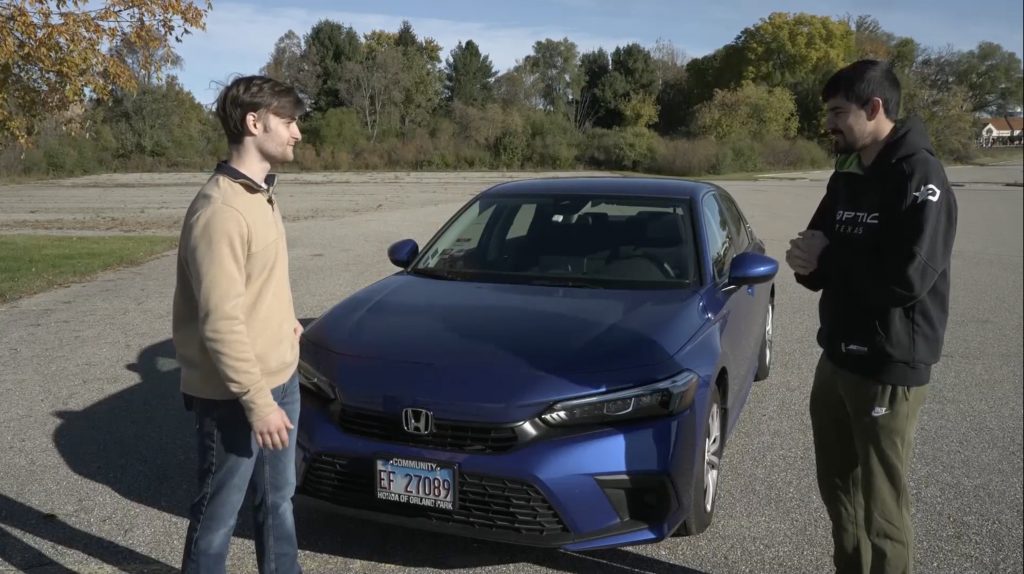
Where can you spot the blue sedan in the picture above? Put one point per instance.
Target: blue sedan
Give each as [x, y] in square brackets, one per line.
[561, 365]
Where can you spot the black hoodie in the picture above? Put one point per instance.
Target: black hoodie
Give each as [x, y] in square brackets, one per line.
[884, 276]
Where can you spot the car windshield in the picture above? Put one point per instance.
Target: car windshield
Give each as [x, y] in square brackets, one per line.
[576, 240]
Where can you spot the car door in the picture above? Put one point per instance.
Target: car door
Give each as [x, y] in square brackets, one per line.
[756, 307]
[730, 307]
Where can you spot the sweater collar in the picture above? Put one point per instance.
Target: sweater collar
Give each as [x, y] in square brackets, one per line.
[266, 188]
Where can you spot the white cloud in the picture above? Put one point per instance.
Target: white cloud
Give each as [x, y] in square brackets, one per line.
[240, 37]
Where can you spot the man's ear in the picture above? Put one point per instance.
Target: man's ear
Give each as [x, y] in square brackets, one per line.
[874, 109]
[252, 123]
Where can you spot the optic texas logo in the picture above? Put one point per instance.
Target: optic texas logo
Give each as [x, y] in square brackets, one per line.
[853, 222]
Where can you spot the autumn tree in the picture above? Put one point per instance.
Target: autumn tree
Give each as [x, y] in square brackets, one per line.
[991, 75]
[786, 47]
[638, 109]
[871, 41]
[163, 122]
[148, 55]
[750, 111]
[797, 52]
[53, 53]
[387, 98]
[677, 100]
[948, 114]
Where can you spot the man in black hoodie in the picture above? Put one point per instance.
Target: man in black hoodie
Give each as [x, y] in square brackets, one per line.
[878, 249]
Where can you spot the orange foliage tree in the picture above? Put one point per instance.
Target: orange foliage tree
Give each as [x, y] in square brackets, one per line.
[55, 53]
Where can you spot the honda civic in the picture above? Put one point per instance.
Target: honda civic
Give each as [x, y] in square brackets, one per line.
[560, 365]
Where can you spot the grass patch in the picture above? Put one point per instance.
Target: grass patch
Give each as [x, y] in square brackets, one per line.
[30, 264]
[995, 155]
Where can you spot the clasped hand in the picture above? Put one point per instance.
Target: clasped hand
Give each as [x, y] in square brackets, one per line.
[804, 251]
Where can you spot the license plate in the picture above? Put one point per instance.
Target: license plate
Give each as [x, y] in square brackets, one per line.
[417, 482]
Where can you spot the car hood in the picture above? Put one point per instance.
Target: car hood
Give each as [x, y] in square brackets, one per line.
[467, 392]
[553, 330]
[495, 353]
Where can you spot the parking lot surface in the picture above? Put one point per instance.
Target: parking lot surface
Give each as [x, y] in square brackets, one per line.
[96, 471]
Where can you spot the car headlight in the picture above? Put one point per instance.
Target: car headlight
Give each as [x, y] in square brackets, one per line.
[663, 398]
[316, 382]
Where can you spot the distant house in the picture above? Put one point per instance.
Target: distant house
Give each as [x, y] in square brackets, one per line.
[1001, 131]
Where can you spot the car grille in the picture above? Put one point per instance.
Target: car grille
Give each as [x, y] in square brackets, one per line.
[460, 437]
[496, 504]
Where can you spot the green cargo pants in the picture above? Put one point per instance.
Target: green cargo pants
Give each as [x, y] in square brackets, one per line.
[863, 438]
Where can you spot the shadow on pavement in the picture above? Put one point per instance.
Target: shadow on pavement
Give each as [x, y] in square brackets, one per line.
[139, 442]
[24, 558]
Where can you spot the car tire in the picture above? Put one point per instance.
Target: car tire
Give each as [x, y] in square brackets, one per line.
[767, 354]
[702, 509]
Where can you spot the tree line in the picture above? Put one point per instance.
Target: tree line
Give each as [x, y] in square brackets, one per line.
[394, 100]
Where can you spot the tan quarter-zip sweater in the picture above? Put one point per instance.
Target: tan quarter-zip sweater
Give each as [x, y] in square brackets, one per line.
[233, 316]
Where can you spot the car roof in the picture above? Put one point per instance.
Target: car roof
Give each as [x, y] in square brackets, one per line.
[639, 186]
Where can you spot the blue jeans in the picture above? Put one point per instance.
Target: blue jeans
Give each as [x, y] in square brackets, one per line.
[230, 462]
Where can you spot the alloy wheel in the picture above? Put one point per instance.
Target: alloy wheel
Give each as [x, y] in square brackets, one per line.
[768, 336]
[712, 456]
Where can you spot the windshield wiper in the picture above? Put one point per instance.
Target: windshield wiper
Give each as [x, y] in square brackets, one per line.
[564, 283]
[460, 275]
[437, 274]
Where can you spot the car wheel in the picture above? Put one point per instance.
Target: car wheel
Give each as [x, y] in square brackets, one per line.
[705, 486]
[764, 360]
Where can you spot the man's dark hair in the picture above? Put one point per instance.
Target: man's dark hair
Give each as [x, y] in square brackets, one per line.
[863, 80]
[258, 94]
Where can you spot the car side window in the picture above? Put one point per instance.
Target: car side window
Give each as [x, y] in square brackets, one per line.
[719, 237]
[737, 226]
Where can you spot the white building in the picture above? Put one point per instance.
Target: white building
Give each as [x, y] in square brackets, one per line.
[1001, 131]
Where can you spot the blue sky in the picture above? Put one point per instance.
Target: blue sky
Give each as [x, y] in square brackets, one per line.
[240, 34]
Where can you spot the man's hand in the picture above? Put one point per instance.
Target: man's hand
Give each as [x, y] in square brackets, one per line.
[804, 250]
[298, 329]
[272, 431]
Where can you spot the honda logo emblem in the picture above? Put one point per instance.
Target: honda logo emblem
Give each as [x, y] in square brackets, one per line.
[418, 421]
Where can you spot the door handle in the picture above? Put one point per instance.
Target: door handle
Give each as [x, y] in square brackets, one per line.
[750, 290]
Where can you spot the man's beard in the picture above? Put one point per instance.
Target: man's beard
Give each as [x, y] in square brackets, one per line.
[841, 145]
[277, 155]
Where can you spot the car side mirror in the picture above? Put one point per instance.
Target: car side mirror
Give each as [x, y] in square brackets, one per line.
[752, 269]
[401, 253]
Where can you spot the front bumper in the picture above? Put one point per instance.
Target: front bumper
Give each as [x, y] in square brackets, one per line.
[605, 488]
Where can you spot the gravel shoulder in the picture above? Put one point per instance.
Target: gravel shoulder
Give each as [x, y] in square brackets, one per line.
[155, 203]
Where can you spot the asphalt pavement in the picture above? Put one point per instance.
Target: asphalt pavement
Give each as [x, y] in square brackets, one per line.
[96, 474]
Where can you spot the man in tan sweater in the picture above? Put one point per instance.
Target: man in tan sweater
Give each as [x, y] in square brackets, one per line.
[236, 334]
